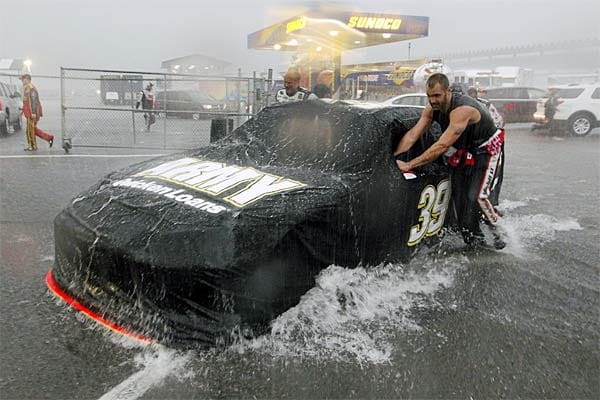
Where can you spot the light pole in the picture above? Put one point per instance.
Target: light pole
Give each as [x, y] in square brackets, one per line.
[27, 65]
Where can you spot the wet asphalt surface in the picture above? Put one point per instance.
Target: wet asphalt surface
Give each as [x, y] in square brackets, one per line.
[509, 327]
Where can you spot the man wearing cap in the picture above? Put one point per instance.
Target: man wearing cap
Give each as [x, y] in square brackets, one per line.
[146, 99]
[32, 110]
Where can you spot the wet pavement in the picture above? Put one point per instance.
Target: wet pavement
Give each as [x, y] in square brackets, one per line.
[521, 323]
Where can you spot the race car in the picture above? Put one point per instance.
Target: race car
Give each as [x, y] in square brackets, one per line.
[192, 247]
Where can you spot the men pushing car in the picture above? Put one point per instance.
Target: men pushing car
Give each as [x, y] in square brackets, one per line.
[473, 145]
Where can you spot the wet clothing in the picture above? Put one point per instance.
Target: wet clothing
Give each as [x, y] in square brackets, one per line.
[475, 134]
[476, 161]
[31, 102]
[550, 107]
[300, 95]
[146, 100]
[32, 131]
[498, 120]
[32, 105]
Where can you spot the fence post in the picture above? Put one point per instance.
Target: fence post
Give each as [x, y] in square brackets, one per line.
[238, 99]
[269, 85]
[132, 109]
[165, 111]
[62, 111]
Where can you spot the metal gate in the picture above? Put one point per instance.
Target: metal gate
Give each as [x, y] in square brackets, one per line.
[98, 107]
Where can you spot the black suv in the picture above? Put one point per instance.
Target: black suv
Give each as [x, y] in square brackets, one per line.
[188, 104]
[515, 104]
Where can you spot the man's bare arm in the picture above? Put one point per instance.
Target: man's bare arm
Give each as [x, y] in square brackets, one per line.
[459, 119]
[410, 137]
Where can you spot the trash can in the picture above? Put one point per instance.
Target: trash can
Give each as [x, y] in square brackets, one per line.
[219, 128]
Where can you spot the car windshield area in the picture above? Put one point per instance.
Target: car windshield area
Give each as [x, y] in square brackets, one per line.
[309, 140]
[305, 136]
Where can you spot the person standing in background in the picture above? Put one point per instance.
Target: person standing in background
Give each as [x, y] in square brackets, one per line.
[146, 99]
[292, 90]
[322, 91]
[32, 110]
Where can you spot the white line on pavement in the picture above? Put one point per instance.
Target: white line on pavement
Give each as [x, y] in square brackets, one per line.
[157, 368]
[81, 156]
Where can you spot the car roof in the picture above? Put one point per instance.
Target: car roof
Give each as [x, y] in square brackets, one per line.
[575, 86]
[409, 94]
[334, 135]
[511, 87]
[386, 101]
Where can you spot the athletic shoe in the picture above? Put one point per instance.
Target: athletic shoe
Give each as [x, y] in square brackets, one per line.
[479, 244]
[499, 243]
[497, 235]
[50, 142]
[29, 149]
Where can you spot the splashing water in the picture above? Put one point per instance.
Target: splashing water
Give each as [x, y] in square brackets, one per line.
[526, 232]
[156, 362]
[353, 313]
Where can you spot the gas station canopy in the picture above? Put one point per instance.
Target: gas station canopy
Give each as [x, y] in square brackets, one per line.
[338, 31]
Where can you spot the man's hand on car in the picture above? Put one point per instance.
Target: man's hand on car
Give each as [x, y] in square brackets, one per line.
[404, 166]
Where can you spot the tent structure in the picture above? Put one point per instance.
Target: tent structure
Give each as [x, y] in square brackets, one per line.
[196, 64]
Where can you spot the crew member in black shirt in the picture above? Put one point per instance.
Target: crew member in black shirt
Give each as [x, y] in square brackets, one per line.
[473, 145]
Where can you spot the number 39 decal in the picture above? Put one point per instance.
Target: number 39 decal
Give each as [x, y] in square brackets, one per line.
[433, 204]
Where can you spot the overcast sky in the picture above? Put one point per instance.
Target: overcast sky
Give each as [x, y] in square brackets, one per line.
[138, 35]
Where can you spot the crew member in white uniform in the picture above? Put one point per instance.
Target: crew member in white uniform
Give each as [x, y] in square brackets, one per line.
[292, 90]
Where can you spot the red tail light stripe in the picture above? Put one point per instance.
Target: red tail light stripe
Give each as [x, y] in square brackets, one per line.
[53, 286]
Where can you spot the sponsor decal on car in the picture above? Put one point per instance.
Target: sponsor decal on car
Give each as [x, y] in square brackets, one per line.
[433, 203]
[178, 195]
[219, 179]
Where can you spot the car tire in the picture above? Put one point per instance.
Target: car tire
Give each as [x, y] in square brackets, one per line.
[282, 278]
[4, 126]
[581, 124]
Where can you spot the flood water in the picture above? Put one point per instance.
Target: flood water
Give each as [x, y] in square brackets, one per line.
[520, 323]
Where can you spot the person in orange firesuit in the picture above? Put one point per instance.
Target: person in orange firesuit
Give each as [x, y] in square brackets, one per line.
[32, 110]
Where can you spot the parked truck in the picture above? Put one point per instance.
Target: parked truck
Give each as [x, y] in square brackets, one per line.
[514, 76]
[120, 89]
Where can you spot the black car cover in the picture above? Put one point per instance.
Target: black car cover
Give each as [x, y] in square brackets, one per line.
[195, 246]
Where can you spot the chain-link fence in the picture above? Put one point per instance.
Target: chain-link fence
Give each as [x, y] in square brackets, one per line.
[102, 108]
